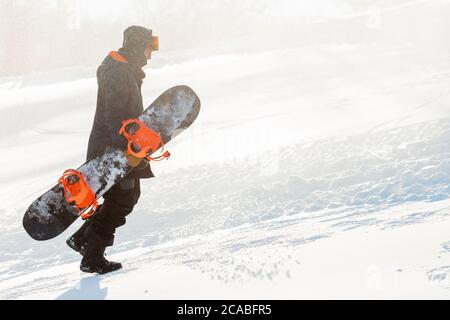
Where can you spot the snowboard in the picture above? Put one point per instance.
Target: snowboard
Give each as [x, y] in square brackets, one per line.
[169, 115]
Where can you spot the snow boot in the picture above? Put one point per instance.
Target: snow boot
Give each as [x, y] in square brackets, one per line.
[75, 245]
[94, 260]
[77, 241]
[103, 267]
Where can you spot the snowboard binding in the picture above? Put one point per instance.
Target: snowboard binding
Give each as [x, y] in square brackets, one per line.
[77, 193]
[142, 141]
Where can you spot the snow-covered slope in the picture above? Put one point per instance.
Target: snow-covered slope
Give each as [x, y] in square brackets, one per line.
[317, 171]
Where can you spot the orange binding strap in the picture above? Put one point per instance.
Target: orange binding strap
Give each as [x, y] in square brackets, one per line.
[142, 141]
[78, 193]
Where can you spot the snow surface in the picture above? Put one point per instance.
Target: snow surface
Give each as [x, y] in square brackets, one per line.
[316, 171]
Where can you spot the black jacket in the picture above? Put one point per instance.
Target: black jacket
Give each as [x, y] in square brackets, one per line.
[119, 98]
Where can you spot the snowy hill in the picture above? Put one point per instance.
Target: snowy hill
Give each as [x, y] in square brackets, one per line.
[315, 171]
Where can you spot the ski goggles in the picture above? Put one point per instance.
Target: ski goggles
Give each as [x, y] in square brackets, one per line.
[154, 43]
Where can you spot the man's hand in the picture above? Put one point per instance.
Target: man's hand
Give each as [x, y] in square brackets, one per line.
[132, 160]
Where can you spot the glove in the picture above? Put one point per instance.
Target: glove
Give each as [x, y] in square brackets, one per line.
[134, 161]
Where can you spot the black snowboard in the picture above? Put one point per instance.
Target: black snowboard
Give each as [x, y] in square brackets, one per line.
[170, 114]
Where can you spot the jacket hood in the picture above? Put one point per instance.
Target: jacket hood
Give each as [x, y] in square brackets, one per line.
[135, 40]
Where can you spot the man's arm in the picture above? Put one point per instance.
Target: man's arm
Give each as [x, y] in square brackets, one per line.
[116, 93]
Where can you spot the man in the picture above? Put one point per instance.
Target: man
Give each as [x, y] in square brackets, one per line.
[119, 98]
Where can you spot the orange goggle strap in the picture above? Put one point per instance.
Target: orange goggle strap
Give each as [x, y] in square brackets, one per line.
[143, 154]
[155, 43]
[85, 200]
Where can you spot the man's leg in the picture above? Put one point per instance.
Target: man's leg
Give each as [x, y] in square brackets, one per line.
[119, 202]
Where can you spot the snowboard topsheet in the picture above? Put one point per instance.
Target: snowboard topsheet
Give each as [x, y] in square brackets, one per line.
[171, 113]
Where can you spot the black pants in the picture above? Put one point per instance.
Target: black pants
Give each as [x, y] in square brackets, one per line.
[118, 202]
